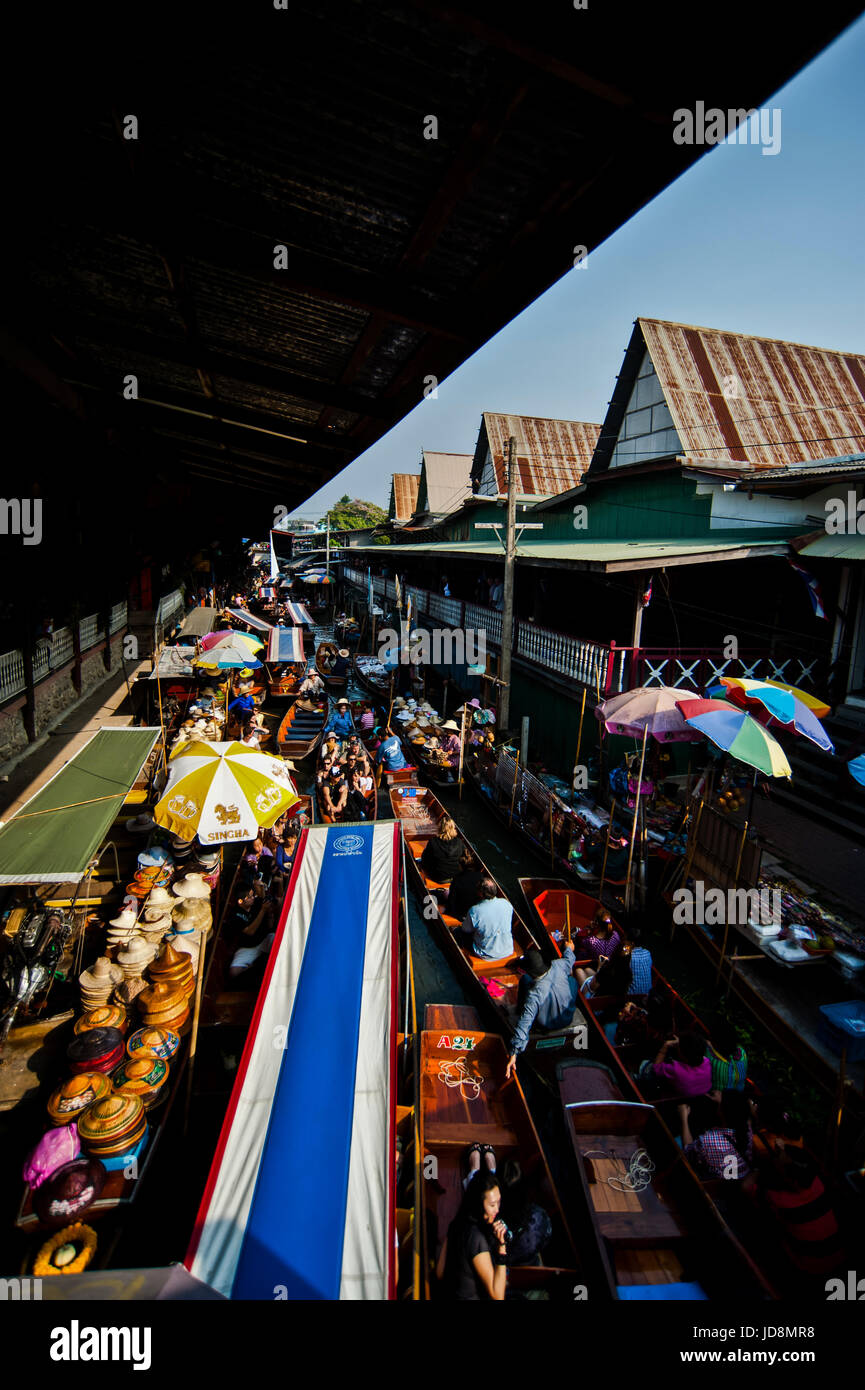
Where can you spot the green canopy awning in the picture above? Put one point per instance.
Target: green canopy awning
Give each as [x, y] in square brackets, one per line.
[56, 833]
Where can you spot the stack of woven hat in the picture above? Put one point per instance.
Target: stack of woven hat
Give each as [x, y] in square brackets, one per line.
[156, 920]
[97, 1049]
[165, 1003]
[113, 1126]
[132, 961]
[192, 916]
[74, 1096]
[144, 1077]
[106, 1016]
[97, 983]
[122, 928]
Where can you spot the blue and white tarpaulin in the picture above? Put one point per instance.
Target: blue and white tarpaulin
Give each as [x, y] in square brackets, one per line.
[298, 613]
[299, 1202]
[242, 615]
[285, 644]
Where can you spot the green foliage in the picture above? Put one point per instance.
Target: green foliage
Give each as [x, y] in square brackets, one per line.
[353, 514]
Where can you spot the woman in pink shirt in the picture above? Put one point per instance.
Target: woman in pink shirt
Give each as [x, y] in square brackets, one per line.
[680, 1069]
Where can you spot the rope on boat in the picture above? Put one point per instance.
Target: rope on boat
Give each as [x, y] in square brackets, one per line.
[636, 1177]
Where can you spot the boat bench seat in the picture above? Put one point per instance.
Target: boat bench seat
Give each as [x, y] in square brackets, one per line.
[492, 967]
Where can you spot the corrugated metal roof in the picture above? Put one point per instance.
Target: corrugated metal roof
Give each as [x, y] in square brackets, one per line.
[445, 481]
[836, 548]
[552, 455]
[757, 401]
[609, 554]
[403, 496]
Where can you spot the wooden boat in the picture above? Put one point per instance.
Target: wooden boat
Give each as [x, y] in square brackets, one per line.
[464, 1099]
[566, 823]
[285, 685]
[555, 907]
[325, 655]
[656, 1234]
[420, 815]
[380, 690]
[301, 731]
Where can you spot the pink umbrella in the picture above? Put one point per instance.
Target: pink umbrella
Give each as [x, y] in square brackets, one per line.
[651, 707]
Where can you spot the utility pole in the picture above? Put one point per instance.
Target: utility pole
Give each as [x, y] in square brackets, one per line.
[508, 597]
[327, 550]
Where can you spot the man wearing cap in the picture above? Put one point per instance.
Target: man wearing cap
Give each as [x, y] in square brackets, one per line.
[341, 723]
[334, 793]
[547, 1002]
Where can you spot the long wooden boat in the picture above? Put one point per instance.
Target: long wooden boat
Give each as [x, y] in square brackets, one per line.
[493, 984]
[656, 1233]
[380, 690]
[464, 1099]
[325, 655]
[556, 908]
[301, 731]
[286, 685]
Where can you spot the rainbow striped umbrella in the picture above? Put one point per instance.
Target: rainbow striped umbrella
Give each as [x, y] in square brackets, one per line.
[228, 634]
[738, 734]
[815, 705]
[780, 706]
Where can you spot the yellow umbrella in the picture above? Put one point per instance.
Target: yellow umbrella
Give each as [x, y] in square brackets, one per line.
[223, 791]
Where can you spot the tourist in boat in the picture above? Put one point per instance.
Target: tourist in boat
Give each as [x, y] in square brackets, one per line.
[312, 685]
[341, 722]
[441, 857]
[367, 719]
[718, 1137]
[601, 938]
[727, 1058]
[340, 665]
[472, 1263]
[464, 891]
[356, 750]
[331, 752]
[242, 706]
[487, 925]
[390, 755]
[640, 960]
[680, 1069]
[791, 1193]
[548, 993]
[359, 787]
[611, 976]
[334, 793]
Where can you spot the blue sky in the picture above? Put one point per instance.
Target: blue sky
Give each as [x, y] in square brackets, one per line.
[753, 243]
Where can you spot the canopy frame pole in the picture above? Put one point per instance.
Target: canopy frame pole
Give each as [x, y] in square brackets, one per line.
[462, 750]
[739, 853]
[606, 852]
[514, 788]
[689, 859]
[636, 815]
[580, 731]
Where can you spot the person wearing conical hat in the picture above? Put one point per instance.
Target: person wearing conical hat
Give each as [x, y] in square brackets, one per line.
[451, 742]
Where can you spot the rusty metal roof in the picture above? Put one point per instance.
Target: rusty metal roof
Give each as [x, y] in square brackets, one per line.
[307, 128]
[552, 455]
[759, 402]
[403, 496]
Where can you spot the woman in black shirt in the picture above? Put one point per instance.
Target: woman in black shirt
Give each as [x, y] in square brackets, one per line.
[441, 857]
[465, 888]
[473, 1259]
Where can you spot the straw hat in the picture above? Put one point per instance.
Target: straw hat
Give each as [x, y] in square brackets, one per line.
[451, 724]
[192, 886]
[113, 1126]
[106, 1016]
[135, 956]
[160, 898]
[343, 651]
[140, 1076]
[97, 983]
[73, 1096]
[126, 993]
[153, 1042]
[125, 919]
[173, 967]
[192, 914]
[164, 1006]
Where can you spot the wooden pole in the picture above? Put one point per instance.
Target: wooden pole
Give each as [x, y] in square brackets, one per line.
[580, 731]
[739, 854]
[514, 789]
[636, 812]
[508, 589]
[552, 851]
[462, 750]
[193, 1041]
[568, 916]
[689, 858]
[606, 851]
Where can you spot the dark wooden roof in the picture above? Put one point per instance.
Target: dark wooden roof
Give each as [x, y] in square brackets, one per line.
[305, 128]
